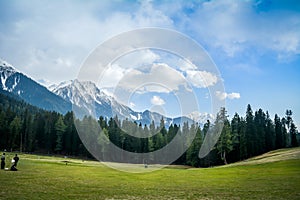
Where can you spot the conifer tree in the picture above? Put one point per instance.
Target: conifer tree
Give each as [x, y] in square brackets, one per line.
[236, 137]
[250, 133]
[224, 144]
[293, 133]
[278, 133]
[270, 134]
[60, 128]
[243, 140]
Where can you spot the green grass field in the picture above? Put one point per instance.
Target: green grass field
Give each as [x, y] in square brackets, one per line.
[275, 175]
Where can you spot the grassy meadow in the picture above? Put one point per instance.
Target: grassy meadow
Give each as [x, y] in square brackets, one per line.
[275, 175]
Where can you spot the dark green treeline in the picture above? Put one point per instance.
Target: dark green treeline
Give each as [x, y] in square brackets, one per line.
[28, 129]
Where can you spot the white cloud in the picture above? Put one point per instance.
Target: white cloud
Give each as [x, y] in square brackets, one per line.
[46, 42]
[221, 95]
[201, 79]
[185, 65]
[111, 77]
[224, 95]
[148, 16]
[236, 26]
[63, 41]
[157, 77]
[156, 100]
[137, 58]
[63, 62]
[233, 95]
[160, 78]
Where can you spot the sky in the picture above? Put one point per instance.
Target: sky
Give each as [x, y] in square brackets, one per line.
[255, 46]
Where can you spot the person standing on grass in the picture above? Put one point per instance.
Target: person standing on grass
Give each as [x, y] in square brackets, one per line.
[3, 161]
[16, 158]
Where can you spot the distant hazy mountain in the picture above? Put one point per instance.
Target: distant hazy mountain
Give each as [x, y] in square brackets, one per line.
[15, 82]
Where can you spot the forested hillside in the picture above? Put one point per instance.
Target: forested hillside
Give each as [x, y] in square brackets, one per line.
[29, 129]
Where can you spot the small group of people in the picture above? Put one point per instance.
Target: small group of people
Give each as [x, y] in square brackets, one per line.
[14, 161]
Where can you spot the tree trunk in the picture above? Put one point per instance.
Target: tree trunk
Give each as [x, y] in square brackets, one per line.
[224, 158]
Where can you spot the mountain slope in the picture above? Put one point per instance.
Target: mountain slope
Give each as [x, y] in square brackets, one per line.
[30, 91]
[84, 96]
[91, 100]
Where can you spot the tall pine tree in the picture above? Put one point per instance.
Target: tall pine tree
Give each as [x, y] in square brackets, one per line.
[250, 133]
[224, 144]
[60, 128]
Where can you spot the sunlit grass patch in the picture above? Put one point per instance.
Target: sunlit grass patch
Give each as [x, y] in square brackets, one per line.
[48, 177]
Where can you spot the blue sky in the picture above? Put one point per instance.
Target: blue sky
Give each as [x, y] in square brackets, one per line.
[254, 44]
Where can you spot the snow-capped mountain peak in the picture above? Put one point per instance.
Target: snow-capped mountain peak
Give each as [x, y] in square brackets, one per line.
[201, 117]
[91, 100]
[6, 71]
[16, 83]
[75, 90]
[52, 87]
[85, 95]
[7, 66]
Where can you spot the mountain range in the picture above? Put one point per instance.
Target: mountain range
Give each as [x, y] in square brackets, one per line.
[20, 85]
[84, 96]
